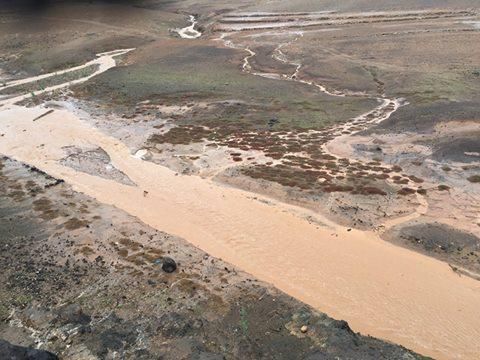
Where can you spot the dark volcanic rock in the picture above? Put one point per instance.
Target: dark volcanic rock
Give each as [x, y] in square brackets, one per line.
[168, 264]
[175, 325]
[73, 314]
[13, 352]
[423, 117]
[461, 149]
[207, 356]
[440, 238]
[440, 241]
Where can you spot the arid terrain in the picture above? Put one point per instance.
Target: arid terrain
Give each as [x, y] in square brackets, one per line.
[221, 180]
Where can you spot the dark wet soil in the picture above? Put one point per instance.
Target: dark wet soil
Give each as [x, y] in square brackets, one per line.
[84, 280]
[423, 117]
[440, 241]
[10, 351]
[465, 149]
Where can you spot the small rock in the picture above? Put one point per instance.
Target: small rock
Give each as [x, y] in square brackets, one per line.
[168, 264]
[304, 329]
[72, 314]
[10, 351]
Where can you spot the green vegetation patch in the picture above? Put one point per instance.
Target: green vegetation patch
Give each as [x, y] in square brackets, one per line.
[208, 74]
[474, 179]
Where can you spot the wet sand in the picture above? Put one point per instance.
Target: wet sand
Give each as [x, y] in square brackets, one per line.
[380, 289]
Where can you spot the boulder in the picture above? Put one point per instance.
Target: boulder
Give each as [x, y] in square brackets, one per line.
[13, 352]
[168, 264]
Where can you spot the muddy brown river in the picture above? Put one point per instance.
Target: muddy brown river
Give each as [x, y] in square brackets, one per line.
[380, 289]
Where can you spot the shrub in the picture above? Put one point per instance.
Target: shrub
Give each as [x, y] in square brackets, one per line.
[405, 191]
[474, 179]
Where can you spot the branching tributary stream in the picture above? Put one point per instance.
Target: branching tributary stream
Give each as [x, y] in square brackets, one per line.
[189, 32]
[380, 289]
[362, 122]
